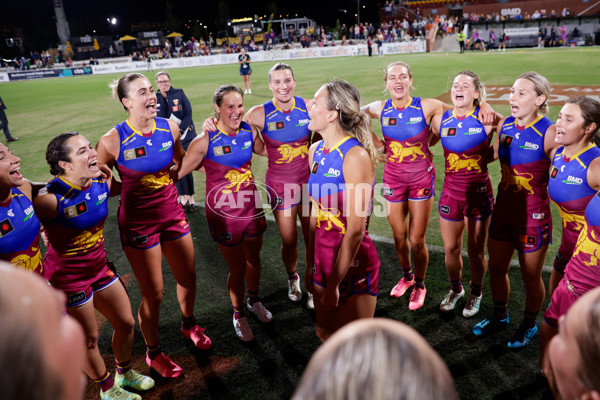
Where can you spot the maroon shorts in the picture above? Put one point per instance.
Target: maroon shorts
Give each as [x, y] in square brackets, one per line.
[285, 195]
[230, 231]
[418, 187]
[524, 239]
[80, 289]
[562, 299]
[353, 284]
[140, 235]
[478, 206]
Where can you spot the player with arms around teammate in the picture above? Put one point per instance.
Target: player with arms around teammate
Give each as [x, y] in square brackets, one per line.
[521, 219]
[235, 223]
[574, 185]
[152, 223]
[409, 174]
[283, 123]
[19, 225]
[73, 211]
[467, 198]
[574, 175]
[346, 264]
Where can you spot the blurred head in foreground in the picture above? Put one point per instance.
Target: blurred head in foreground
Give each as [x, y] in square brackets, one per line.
[376, 359]
[42, 350]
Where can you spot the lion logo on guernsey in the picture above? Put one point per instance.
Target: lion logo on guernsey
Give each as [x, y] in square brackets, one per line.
[289, 152]
[455, 163]
[88, 240]
[30, 263]
[236, 179]
[327, 216]
[567, 217]
[152, 182]
[519, 180]
[399, 152]
[588, 244]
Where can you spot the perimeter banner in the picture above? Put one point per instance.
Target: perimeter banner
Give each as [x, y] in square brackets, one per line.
[417, 46]
[47, 73]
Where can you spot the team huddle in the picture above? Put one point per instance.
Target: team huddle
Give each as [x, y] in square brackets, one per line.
[322, 158]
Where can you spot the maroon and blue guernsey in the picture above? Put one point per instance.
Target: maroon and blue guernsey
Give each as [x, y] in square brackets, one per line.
[466, 147]
[287, 138]
[569, 189]
[76, 234]
[522, 192]
[148, 194]
[405, 132]
[20, 233]
[326, 187]
[230, 190]
[583, 270]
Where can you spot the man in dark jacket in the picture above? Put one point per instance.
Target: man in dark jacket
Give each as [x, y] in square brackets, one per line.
[173, 104]
[4, 123]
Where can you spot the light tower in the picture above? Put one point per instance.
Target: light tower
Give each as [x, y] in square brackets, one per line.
[62, 26]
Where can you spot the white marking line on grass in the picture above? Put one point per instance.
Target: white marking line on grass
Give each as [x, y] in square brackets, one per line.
[430, 247]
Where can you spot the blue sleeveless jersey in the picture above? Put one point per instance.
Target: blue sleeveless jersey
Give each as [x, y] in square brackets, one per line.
[287, 138]
[405, 132]
[289, 126]
[145, 153]
[583, 270]
[569, 189]
[148, 194]
[568, 180]
[466, 146]
[522, 192]
[228, 174]
[326, 187]
[77, 229]
[19, 233]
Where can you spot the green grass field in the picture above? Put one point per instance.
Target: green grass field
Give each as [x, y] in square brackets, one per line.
[270, 367]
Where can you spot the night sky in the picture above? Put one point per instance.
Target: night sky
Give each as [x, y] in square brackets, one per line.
[37, 21]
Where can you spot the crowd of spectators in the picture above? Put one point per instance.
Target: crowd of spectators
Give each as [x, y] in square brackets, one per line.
[390, 30]
[536, 15]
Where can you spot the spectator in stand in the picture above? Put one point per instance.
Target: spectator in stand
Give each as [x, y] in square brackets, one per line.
[527, 16]
[565, 13]
[492, 40]
[536, 15]
[553, 14]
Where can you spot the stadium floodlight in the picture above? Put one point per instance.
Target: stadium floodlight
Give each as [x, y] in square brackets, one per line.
[112, 21]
